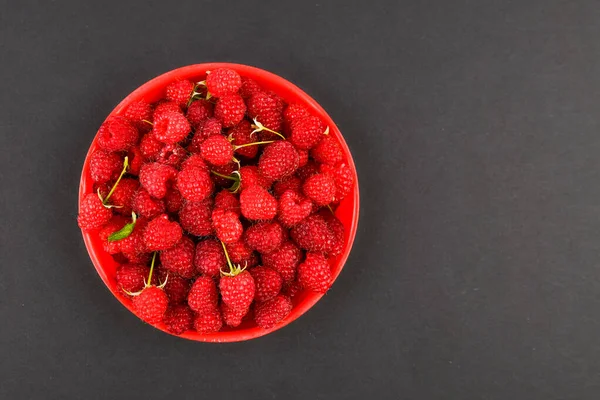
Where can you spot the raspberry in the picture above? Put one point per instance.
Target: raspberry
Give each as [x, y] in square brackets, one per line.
[145, 206]
[209, 259]
[209, 322]
[237, 289]
[217, 150]
[117, 134]
[306, 132]
[223, 81]
[178, 319]
[206, 129]
[172, 155]
[240, 135]
[155, 178]
[308, 170]
[239, 252]
[343, 177]
[173, 200]
[166, 107]
[133, 245]
[179, 259]
[320, 188]
[151, 304]
[250, 176]
[161, 234]
[136, 159]
[257, 204]
[176, 288]
[249, 87]
[171, 128]
[227, 225]
[106, 167]
[131, 277]
[203, 295]
[291, 182]
[314, 273]
[230, 109]
[313, 234]
[338, 231]
[264, 237]
[226, 200]
[194, 160]
[194, 183]
[231, 316]
[272, 312]
[114, 225]
[123, 195]
[328, 151]
[266, 109]
[194, 217]
[291, 289]
[150, 147]
[302, 158]
[136, 112]
[293, 208]
[92, 213]
[141, 258]
[293, 112]
[226, 170]
[278, 160]
[179, 92]
[198, 112]
[284, 260]
[267, 281]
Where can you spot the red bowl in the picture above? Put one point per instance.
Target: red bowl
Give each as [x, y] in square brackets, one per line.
[347, 211]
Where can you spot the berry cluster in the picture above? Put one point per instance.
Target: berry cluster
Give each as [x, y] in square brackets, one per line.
[217, 202]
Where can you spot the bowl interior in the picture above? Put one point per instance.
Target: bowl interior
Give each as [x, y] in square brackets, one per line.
[347, 211]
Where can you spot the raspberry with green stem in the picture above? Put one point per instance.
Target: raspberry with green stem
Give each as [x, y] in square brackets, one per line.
[236, 178]
[258, 127]
[112, 190]
[148, 283]
[233, 269]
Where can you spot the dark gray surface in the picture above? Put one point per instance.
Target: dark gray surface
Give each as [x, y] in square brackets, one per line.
[474, 126]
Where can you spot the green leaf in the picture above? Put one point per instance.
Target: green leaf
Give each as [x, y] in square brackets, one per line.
[124, 231]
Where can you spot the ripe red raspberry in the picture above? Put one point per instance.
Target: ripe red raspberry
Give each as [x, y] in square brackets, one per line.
[172, 155]
[194, 183]
[155, 178]
[198, 112]
[240, 135]
[123, 195]
[194, 160]
[145, 205]
[249, 87]
[272, 312]
[173, 200]
[131, 277]
[307, 171]
[278, 160]
[209, 258]
[267, 109]
[206, 129]
[338, 231]
[178, 319]
[195, 218]
[203, 295]
[133, 245]
[284, 260]
[151, 304]
[226, 200]
[293, 112]
[240, 253]
[166, 107]
[105, 167]
[176, 288]
[293, 208]
[141, 258]
[264, 237]
[209, 322]
[150, 147]
[343, 177]
[231, 316]
[179, 259]
[307, 132]
[291, 289]
[302, 157]
[313, 234]
[217, 150]
[223, 81]
[237, 289]
[314, 273]
[171, 128]
[230, 109]
[227, 225]
[291, 182]
[328, 151]
[179, 92]
[226, 170]
[117, 134]
[161, 234]
[114, 225]
[257, 204]
[92, 213]
[135, 160]
[267, 281]
[250, 176]
[320, 188]
[136, 112]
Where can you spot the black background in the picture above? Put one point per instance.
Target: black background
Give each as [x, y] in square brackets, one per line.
[474, 127]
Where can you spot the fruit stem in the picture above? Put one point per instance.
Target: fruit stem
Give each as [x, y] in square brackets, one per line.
[252, 144]
[227, 256]
[125, 166]
[260, 127]
[225, 176]
[151, 269]
[148, 122]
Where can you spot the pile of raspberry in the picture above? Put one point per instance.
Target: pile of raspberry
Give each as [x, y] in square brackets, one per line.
[217, 202]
